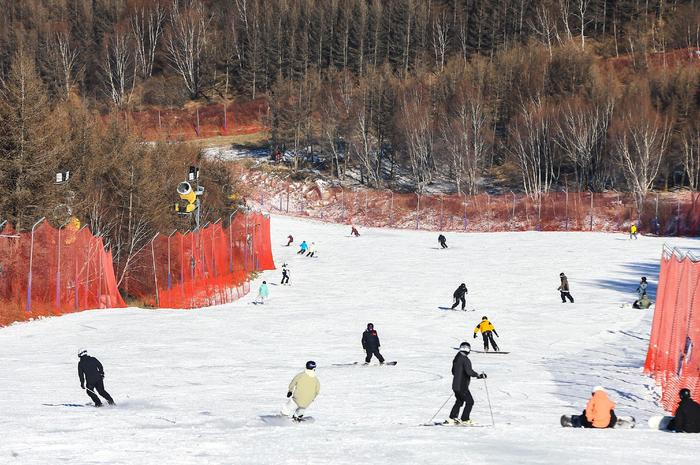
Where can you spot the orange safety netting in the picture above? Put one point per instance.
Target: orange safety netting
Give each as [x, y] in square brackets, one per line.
[205, 267]
[52, 272]
[671, 358]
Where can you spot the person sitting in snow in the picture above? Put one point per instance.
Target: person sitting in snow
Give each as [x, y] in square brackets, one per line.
[599, 412]
[302, 391]
[643, 302]
[687, 416]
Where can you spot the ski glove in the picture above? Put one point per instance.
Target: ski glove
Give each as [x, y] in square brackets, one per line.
[474, 335]
[289, 394]
[482, 376]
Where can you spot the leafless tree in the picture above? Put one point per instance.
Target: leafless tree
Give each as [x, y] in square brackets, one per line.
[641, 144]
[544, 25]
[690, 140]
[67, 59]
[119, 67]
[417, 125]
[186, 42]
[147, 27]
[441, 27]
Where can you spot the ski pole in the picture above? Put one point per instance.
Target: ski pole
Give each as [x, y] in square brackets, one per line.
[489, 401]
[438, 411]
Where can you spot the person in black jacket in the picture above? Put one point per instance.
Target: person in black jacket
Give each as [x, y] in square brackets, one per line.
[462, 372]
[687, 417]
[285, 274]
[370, 342]
[443, 241]
[459, 296]
[90, 371]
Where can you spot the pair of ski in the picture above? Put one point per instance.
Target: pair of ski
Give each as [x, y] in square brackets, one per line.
[284, 420]
[458, 309]
[391, 364]
[456, 425]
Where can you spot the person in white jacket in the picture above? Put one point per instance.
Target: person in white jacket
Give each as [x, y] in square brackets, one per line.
[312, 250]
[302, 391]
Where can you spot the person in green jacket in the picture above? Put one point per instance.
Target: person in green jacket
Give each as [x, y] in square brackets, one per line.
[263, 293]
[302, 391]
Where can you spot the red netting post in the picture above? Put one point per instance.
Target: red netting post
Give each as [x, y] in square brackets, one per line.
[566, 209]
[287, 196]
[417, 209]
[591, 212]
[230, 241]
[391, 209]
[169, 272]
[465, 210]
[31, 262]
[442, 208]
[58, 268]
[155, 274]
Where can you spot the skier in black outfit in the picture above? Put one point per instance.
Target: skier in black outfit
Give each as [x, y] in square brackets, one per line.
[462, 371]
[687, 418]
[370, 342]
[443, 241]
[459, 296]
[90, 371]
[285, 274]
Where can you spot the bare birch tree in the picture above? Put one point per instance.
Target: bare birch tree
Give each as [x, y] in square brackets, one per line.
[147, 28]
[417, 125]
[690, 142]
[67, 59]
[119, 67]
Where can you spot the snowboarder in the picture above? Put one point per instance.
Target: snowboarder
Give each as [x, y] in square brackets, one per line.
[633, 231]
[459, 296]
[564, 289]
[687, 416]
[263, 293]
[443, 241]
[311, 250]
[285, 274]
[486, 329]
[599, 412]
[643, 302]
[462, 372]
[302, 391]
[91, 372]
[302, 248]
[370, 343]
[354, 231]
[642, 288]
[290, 239]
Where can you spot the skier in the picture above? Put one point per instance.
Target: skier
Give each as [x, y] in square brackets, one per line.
[354, 231]
[263, 293]
[459, 296]
[599, 412]
[486, 329]
[303, 246]
[290, 239]
[370, 343]
[443, 241]
[302, 391]
[564, 289]
[285, 274]
[643, 302]
[633, 231]
[311, 250]
[642, 288]
[91, 372]
[687, 416]
[462, 372]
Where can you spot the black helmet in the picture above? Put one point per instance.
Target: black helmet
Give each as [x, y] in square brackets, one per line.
[684, 393]
[370, 326]
[561, 275]
[644, 278]
[462, 285]
[310, 365]
[465, 347]
[484, 318]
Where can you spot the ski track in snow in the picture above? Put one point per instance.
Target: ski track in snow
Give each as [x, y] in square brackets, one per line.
[191, 385]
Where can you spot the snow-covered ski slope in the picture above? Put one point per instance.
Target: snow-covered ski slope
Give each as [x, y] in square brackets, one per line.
[190, 385]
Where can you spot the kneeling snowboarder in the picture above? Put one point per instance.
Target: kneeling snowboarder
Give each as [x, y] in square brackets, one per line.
[302, 391]
[370, 343]
[462, 372]
[643, 302]
[487, 331]
[91, 372]
[687, 416]
[458, 296]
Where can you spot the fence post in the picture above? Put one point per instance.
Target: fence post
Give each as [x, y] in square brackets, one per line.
[169, 273]
[566, 209]
[230, 241]
[591, 212]
[678, 218]
[58, 267]
[465, 210]
[199, 130]
[287, 196]
[31, 262]
[417, 210]
[225, 119]
[391, 209]
[442, 208]
[155, 275]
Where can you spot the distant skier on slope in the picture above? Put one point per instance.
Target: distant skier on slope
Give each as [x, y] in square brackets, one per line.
[263, 293]
[302, 391]
[354, 232]
[564, 289]
[687, 416]
[370, 343]
[599, 412]
[311, 250]
[642, 288]
[633, 231]
[487, 332]
[290, 239]
[443, 241]
[302, 248]
[462, 372]
[285, 274]
[91, 372]
[458, 296]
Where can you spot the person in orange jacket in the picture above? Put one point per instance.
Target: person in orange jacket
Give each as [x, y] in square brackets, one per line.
[600, 410]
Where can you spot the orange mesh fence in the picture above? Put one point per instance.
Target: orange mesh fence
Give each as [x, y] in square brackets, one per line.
[671, 358]
[206, 267]
[663, 213]
[52, 272]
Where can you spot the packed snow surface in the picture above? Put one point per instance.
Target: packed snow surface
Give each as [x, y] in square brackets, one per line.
[191, 385]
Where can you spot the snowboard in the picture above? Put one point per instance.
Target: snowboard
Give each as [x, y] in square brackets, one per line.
[490, 352]
[90, 404]
[284, 420]
[358, 363]
[574, 421]
[457, 309]
[660, 422]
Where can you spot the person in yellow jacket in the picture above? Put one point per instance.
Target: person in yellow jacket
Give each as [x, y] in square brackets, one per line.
[302, 391]
[633, 231]
[487, 332]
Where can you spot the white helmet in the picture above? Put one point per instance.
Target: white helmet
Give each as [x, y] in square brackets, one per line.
[599, 388]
